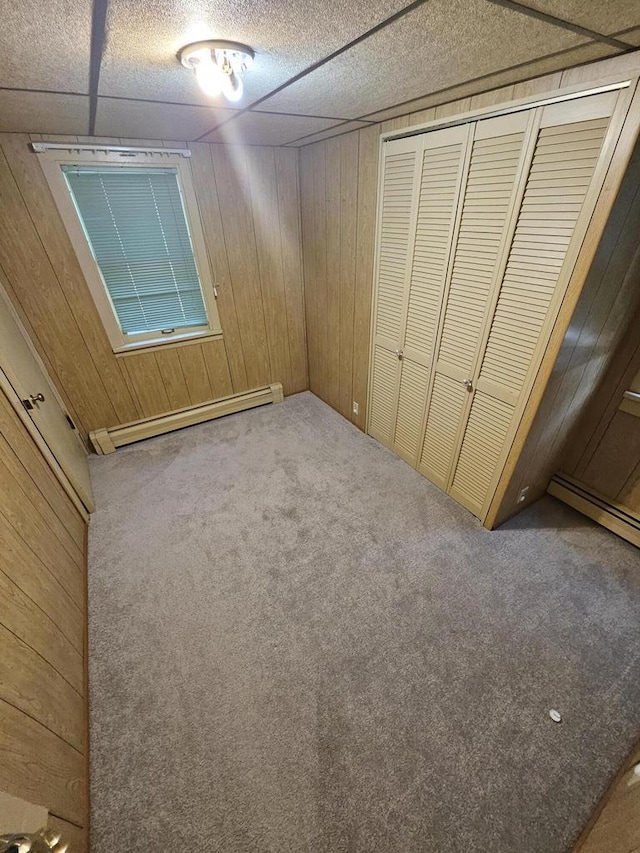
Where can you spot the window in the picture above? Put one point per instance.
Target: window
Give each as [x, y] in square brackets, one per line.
[140, 244]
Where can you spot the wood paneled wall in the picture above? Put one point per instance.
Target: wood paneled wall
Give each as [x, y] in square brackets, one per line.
[338, 191]
[603, 450]
[330, 216]
[43, 688]
[615, 825]
[249, 206]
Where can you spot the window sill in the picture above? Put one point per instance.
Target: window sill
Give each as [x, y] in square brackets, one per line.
[152, 346]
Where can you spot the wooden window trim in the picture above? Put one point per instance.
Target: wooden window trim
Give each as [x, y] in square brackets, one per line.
[52, 161]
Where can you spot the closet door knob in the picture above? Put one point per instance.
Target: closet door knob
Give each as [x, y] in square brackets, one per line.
[399, 353]
[468, 384]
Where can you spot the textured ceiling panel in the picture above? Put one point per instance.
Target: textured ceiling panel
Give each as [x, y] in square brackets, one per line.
[631, 37]
[336, 130]
[567, 59]
[45, 45]
[37, 112]
[288, 35]
[256, 128]
[605, 17]
[154, 121]
[440, 44]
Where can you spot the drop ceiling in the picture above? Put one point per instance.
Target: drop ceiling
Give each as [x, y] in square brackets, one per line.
[322, 67]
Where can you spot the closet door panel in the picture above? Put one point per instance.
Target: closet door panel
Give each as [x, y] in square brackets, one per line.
[384, 394]
[398, 207]
[442, 170]
[443, 166]
[495, 175]
[488, 197]
[397, 229]
[563, 167]
[414, 378]
[484, 437]
[446, 406]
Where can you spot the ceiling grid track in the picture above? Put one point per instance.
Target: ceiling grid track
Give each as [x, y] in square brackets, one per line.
[98, 37]
[562, 23]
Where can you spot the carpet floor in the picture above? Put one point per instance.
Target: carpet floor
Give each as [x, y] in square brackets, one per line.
[300, 645]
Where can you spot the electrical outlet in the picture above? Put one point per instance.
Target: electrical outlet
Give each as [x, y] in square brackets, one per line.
[522, 494]
[356, 408]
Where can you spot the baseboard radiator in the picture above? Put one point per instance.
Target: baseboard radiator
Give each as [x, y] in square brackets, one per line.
[107, 440]
[615, 517]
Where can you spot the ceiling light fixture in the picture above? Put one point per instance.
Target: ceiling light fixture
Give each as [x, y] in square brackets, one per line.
[218, 66]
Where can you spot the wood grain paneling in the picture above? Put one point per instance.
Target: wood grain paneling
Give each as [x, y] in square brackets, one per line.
[615, 825]
[595, 317]
[23, 618]
[11, 466]
[215, 358]
[74, 836]
[39, 583]
[291, 248]
[31, 684]
[234, 193]
[248, 200]
[368, 152]
[602, 454]
[39, 471]
[43, 689]
[40, 767]
[616, 458]
[338, 188]
[21, 513]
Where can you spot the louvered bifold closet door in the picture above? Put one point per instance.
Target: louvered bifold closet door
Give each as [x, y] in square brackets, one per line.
[444, 160]
[560, 193]
[396, 233]
[499, 157]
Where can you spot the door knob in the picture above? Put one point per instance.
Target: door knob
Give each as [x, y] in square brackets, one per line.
[399, 353]
[468, 384]
[37, 398]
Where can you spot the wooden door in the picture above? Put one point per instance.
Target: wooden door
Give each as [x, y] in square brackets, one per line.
[480, 227]
[561, 190]
[499, 159]
[28, 379]
[396, 235]
[442, 173]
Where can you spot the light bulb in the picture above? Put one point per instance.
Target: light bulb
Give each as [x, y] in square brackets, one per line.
[232, 87]
[218, 66]
[208, 74]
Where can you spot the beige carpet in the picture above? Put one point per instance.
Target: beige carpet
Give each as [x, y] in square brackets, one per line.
[299, 645]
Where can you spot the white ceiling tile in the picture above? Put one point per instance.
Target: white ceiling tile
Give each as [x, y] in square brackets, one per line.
[256, 128]
[603, 17]
[336, 130]
[143, 120]
[567, 59]
[288, 36]
[39, 112]
[440, 44]
[45, 45]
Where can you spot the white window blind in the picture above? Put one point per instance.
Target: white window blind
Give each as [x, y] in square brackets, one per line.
[135, 224]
